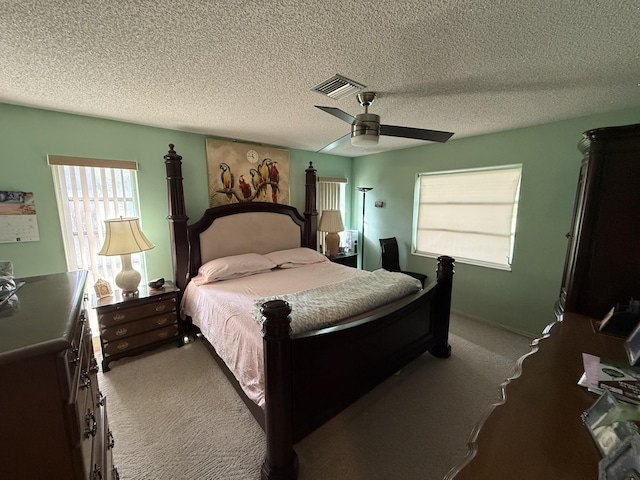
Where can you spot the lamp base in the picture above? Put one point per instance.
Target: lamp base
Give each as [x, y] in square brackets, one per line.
[128, 279]
[332, 243]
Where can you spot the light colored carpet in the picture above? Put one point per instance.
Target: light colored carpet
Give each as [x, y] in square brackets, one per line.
[175, 416]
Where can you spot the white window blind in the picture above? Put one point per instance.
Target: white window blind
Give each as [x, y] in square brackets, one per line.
[469, 215]
[88, 192]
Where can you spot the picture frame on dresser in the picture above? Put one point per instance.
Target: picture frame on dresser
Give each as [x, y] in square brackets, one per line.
[632, 346]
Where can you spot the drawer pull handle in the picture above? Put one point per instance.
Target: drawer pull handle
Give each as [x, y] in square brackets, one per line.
[162, 334]
[112, 441]
[94, 368]
[96, 474]
[87, 381]
[92, 425]
[121, 331]
[119, 316]
[161, 321]
[161, 308]
[122, 345]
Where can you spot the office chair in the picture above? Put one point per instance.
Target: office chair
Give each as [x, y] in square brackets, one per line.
[391, 259]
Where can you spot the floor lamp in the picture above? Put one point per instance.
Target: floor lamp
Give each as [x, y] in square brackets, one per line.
[364, 191]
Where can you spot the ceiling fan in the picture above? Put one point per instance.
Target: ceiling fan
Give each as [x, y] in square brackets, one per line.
[366, 128]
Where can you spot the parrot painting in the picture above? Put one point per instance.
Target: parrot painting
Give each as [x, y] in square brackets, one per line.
[274, 178]
[264, 173]
[226, 177]
[256, 180]
[245, 188]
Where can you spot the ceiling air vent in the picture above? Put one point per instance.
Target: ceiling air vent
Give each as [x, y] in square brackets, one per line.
[338, 87]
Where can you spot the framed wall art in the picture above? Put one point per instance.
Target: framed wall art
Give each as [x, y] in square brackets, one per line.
[243, 172]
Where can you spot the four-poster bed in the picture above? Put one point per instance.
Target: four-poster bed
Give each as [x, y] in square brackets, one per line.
[310, 374]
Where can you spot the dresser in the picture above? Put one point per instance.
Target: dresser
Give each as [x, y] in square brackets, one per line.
[602, 264]
[536, 432]
[132, 325]
[54, 417]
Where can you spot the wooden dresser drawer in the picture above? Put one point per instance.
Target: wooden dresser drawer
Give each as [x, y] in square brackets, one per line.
[129, 343]
[118, 315]
[110, 334]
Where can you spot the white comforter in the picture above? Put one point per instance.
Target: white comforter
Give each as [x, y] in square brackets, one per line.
[226, 311]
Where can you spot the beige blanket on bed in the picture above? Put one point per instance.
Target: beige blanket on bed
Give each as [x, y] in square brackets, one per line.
[323, 306]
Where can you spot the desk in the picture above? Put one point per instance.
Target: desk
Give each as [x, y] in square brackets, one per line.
[536, 432]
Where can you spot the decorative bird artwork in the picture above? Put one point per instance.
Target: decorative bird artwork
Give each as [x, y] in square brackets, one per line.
[227, 180]
[274, 179]
[264, 174]
[256, 180]
[245, 188]
[242, 173]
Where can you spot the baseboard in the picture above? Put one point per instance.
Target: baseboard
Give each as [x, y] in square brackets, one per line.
[489, 322]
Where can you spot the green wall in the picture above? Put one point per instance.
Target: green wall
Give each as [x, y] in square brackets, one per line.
[523, 298]
[28, 135]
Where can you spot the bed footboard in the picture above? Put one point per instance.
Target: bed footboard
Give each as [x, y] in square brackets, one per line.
[311, 377]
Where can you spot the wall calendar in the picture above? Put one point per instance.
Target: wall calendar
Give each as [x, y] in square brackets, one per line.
[18, 221]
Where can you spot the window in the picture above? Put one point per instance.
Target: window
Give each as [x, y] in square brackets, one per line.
[89, 191]
[331, 196]
[468, 214]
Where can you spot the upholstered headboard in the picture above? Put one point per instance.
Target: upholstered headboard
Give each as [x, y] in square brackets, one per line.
[244, 228]
[258, 232]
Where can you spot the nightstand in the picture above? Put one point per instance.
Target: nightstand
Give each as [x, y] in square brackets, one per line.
[132, 325]
[348, 259]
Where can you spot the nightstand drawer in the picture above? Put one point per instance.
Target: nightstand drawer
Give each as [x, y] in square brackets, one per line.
[110, 334]
[129, 343]
[118, 316]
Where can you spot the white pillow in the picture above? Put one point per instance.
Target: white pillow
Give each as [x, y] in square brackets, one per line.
[233, 266]
[295, 257]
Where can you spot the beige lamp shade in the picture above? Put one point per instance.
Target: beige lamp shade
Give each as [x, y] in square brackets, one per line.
[123, 237]
[331, 222]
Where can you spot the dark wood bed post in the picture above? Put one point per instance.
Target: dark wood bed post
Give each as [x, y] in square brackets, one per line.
[177, 219]
[310, 209]
[281, 461]
[442, 307]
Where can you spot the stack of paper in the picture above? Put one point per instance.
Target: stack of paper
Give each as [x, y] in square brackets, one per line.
[600, 374]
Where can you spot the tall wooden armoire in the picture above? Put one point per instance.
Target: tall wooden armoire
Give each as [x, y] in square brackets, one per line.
[602, 266]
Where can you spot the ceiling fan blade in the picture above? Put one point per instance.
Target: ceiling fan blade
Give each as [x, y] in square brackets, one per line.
[336, 112]
[334, 144]
[418, 133]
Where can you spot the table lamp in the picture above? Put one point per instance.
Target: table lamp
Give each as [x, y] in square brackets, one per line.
[331, 222]
[124, 237]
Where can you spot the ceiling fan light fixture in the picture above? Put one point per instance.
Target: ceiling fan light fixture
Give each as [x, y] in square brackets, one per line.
[364, 140]
[365, 131]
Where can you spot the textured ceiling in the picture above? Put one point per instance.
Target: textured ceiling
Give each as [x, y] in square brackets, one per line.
[244, 69]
